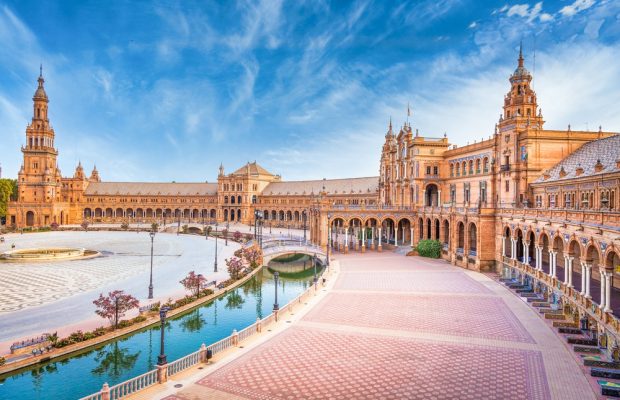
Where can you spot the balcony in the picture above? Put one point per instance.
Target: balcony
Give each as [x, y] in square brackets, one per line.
[504, 168]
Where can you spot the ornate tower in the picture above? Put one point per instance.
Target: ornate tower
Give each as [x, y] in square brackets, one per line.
[520, 120]
[39, 177]
[520, 106]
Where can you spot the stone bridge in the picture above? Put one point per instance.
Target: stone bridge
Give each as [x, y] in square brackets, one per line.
[275, 247]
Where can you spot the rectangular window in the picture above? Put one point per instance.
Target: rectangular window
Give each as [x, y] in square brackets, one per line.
[483, 192]
[428, 170]
[435, 170]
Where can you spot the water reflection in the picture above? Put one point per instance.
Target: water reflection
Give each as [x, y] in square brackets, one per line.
[137, 353]
[193, 322]
[114, 361]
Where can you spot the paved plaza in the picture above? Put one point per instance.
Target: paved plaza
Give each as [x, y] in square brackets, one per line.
[395, 327]
[41, 297]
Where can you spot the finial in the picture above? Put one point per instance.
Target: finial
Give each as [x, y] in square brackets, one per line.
[41, 71]
[390, 122]
[569, 127]
[521, 54]
[416, 132]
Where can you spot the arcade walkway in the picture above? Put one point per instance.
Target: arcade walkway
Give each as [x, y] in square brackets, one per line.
[394, 327]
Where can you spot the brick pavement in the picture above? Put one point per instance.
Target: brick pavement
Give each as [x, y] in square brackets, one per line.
[395, 328]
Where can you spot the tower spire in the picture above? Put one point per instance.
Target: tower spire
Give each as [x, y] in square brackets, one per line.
[41, 71]
[521, 54]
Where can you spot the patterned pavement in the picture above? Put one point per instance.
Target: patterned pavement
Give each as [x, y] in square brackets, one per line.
[394, 328]
[483, 317]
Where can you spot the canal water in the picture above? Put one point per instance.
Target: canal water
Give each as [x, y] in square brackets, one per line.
[85, 373]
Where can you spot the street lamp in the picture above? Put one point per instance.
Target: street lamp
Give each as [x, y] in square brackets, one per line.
[314, 260]
[152, 235]
[215, 264]
[303, 213]
[227, 228]
[161, 359]
[276, 275]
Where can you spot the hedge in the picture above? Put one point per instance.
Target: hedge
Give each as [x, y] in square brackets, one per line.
[429, 248]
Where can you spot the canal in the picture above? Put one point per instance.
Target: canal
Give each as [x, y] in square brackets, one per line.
[82, 374]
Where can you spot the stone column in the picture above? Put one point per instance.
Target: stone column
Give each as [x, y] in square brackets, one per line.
[363, 240]
[603, 279]
[411, 237]
[162, 373]
[583, 279]
[537, 250]
[588, 279]
[372, 238]
[503, 246]
[346, 240]
[379, 247]
[569, 271]
[526, 252]
[513, 248]
[552, 255]
[395, 236]
[608, 279]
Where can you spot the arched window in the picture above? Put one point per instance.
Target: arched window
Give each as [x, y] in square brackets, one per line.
[238, 199]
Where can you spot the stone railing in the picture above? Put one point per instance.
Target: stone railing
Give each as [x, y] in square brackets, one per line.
[606, 320]
[610, 219]
[162, 373]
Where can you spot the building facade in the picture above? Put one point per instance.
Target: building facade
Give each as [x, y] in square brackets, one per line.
[548, 197]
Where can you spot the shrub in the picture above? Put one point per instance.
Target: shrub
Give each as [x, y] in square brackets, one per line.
[2, 361]
[139, 318]
[124, 226]
[429, 248]
[54, 226]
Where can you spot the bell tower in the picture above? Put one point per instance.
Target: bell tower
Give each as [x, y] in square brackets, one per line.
[39, 177]
[520, 106]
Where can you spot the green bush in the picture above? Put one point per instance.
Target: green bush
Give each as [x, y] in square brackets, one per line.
[429, 248]
[2, 361]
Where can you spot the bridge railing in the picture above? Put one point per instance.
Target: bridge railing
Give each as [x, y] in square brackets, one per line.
[152, 377]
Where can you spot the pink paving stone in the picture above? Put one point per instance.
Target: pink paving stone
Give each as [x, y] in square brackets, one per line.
[483, 317]
[303, 363]
[411, 281]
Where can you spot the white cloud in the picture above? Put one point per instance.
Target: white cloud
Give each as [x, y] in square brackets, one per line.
[576, 7]
[527, 12]
[473, 25]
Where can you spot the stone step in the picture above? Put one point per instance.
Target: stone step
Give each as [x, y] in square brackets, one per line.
[609, 389]
[554, 316]
[515, 286]
[530, 296]
[594, 362]
[542, 304]
[535, 299]
[565, 324]
[524, 290]
[605, 373]
[550, 311]
[570, 330]
[587, 349]
[582, 340]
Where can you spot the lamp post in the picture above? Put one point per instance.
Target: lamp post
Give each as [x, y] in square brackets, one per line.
[314, 261]
[276, 275]
[303, 213]
[179, 222]
[161, 359]
[215, 264]
[152, 235]
[227, 228]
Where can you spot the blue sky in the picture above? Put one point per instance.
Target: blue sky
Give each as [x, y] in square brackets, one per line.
[162, 91]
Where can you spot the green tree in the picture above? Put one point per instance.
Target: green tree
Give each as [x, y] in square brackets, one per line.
[8, 191]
